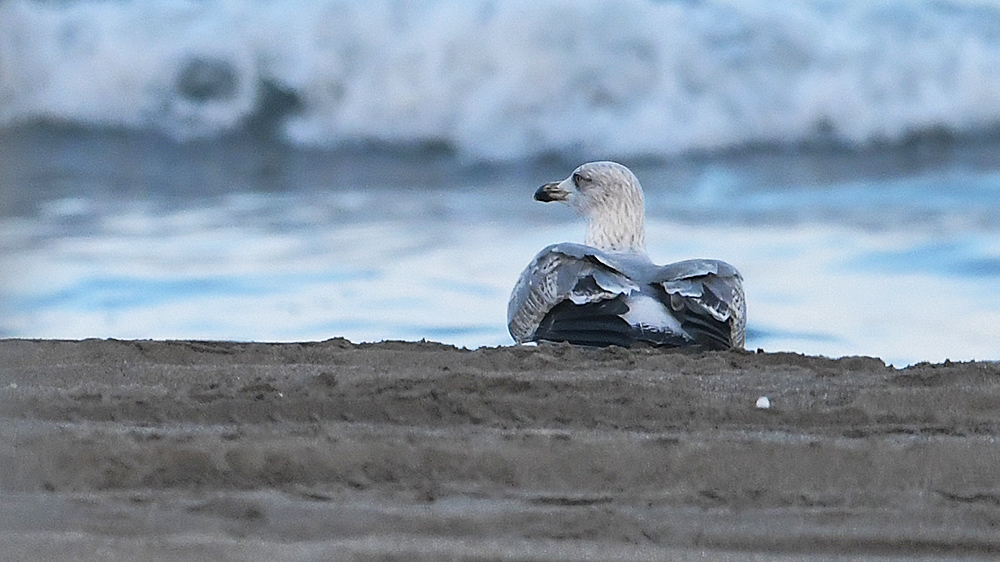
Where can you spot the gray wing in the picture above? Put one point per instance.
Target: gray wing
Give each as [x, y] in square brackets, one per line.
[559, 272]
[707, 297]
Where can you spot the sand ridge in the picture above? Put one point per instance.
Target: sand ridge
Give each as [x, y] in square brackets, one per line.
[417, 450]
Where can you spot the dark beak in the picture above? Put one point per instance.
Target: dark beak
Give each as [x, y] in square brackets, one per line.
[550, 192]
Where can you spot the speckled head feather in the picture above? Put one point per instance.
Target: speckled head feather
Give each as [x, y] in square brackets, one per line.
[609, 196]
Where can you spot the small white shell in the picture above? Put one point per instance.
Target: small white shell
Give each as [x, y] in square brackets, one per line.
[763, 403]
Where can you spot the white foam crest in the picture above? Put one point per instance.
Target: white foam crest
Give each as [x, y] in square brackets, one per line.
[512, 79]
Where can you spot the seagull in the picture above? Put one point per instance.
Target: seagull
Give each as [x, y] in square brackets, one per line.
[608, 292]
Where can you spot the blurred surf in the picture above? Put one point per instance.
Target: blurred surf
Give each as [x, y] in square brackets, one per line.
[493, 80]
[299, 169]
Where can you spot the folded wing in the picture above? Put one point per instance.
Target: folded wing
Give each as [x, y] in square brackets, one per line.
[576, 293]
[707, 297]
[570, 292]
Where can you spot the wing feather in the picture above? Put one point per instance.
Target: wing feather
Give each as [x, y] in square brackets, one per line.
[707, 297]
[557, 273]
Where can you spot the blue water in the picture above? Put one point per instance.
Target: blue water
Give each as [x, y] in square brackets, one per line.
[299, 169]
[851, 257]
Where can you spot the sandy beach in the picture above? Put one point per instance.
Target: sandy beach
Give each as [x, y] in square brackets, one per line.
[191, 450]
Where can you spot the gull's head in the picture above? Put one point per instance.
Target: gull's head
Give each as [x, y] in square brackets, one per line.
[609, 196]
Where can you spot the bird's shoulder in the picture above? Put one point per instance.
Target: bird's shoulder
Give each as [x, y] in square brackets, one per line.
[695, 268]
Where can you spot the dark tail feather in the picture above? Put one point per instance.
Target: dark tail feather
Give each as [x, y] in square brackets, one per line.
[595, 324]
[708, 331]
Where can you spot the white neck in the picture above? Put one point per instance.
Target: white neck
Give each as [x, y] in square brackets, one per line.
[617, 229]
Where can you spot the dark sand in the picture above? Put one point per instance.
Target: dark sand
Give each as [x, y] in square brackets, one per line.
[154, 450]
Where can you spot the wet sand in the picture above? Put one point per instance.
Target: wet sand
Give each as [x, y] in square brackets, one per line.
[183, 450]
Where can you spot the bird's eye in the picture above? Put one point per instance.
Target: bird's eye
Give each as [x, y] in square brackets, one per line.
[578, 179]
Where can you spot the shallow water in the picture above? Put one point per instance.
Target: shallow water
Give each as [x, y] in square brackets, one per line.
[112, 234]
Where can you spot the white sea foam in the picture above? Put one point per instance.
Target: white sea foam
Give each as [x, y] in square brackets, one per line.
[512, 79]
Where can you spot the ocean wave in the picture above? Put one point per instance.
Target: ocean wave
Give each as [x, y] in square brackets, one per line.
[510, 79]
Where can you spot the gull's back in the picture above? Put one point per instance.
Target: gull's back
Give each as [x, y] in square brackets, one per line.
[608, 292]
[582, 295]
